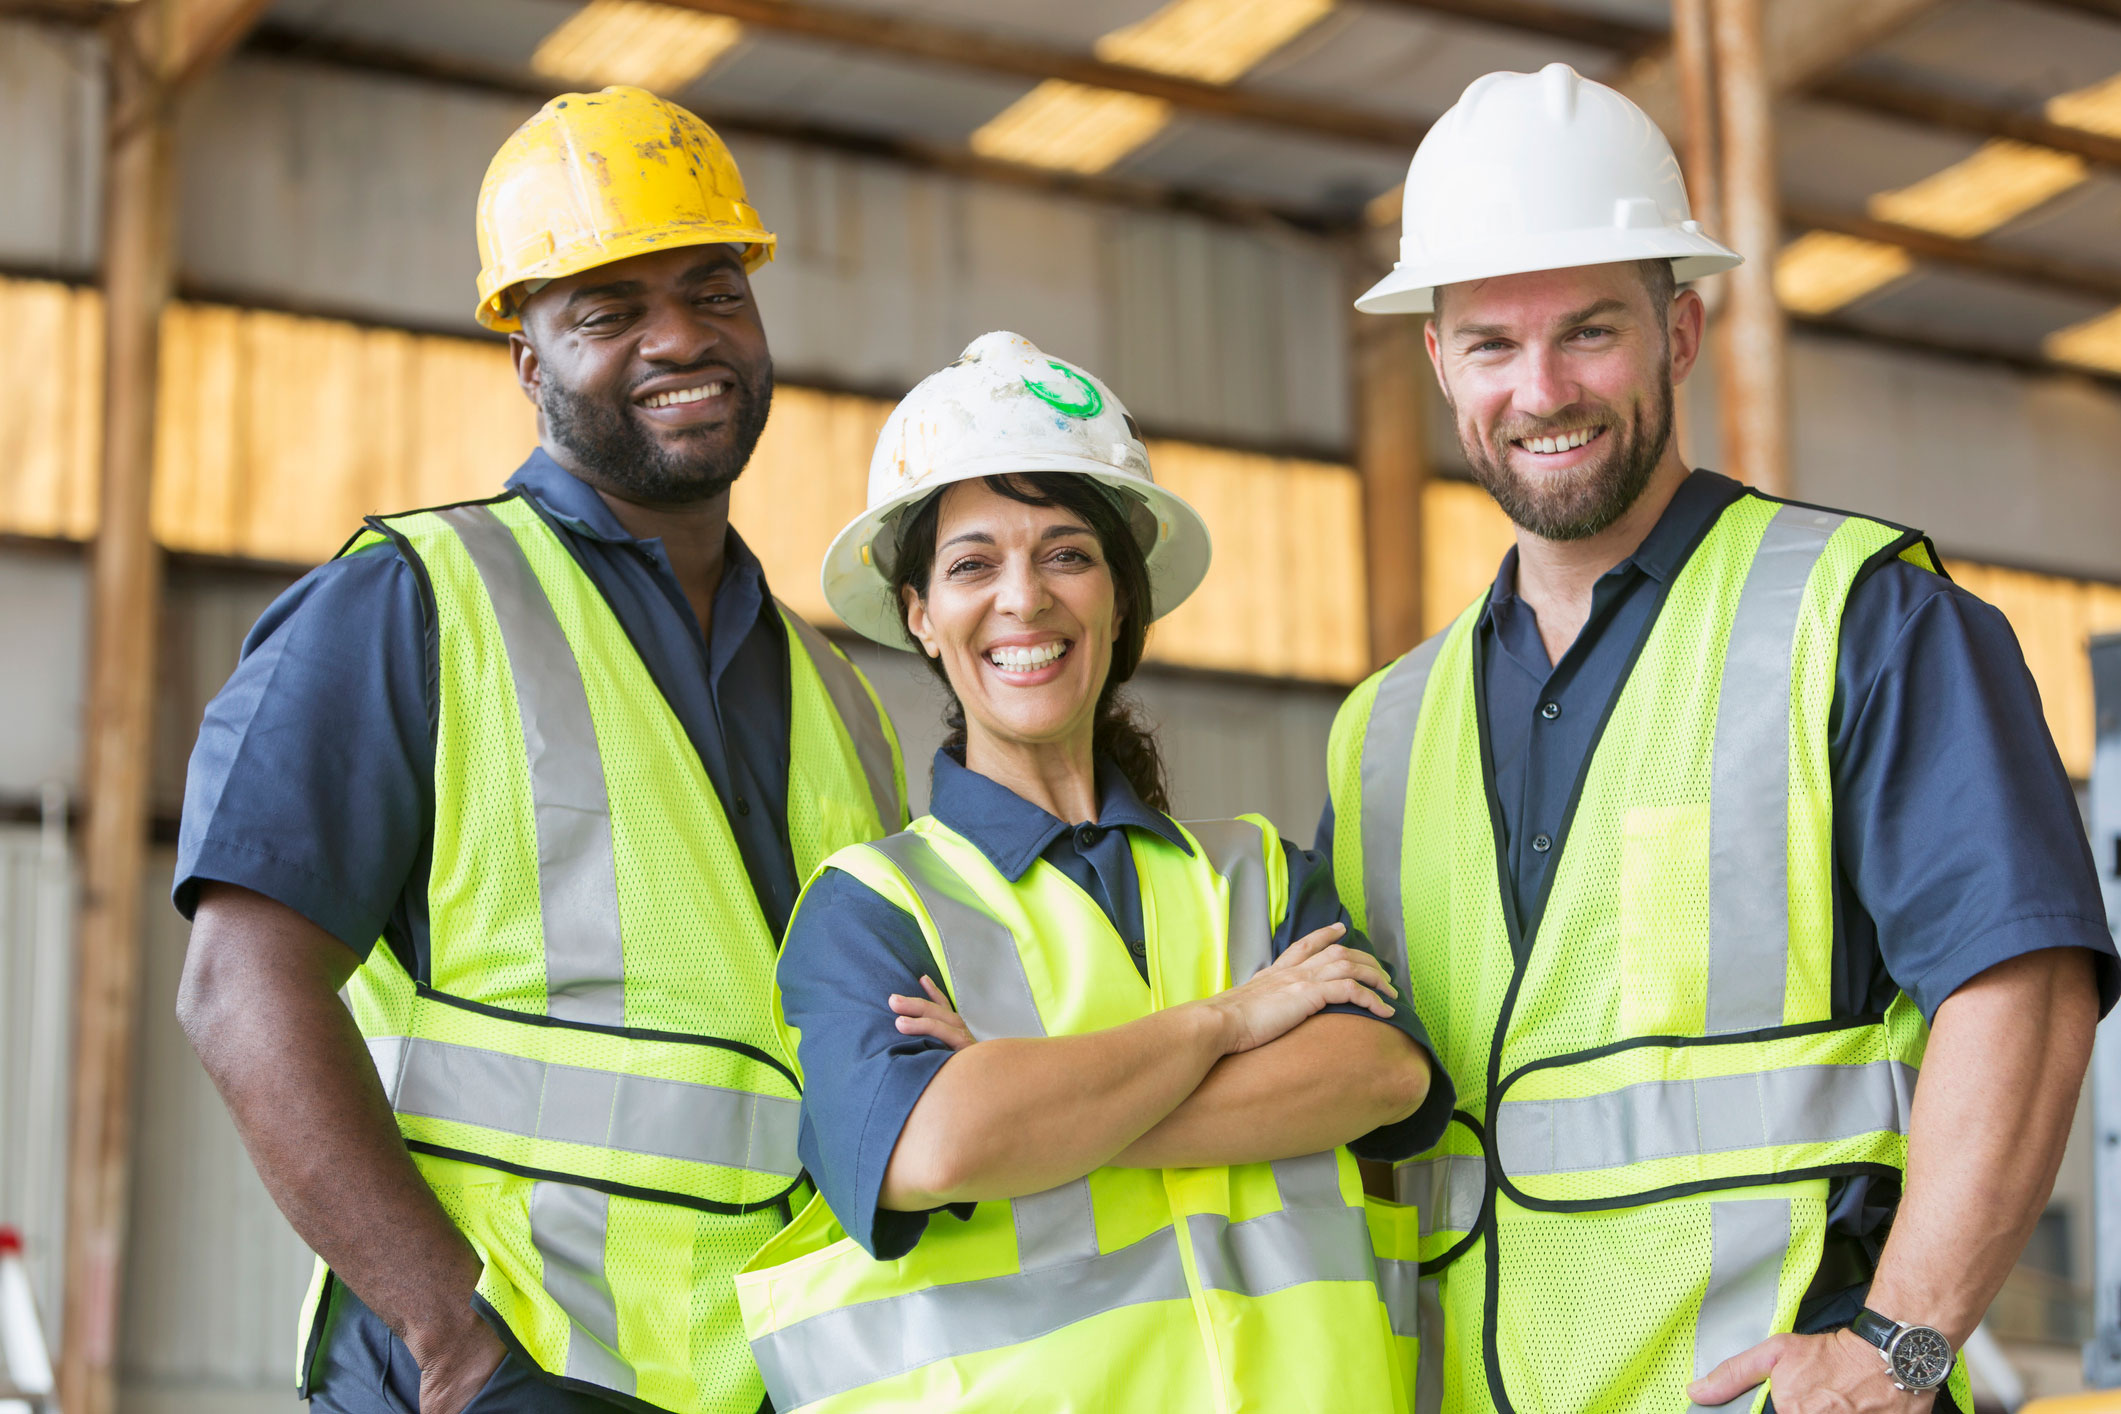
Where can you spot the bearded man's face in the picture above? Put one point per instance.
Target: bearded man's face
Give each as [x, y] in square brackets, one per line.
[1560, 382]
[652, 374]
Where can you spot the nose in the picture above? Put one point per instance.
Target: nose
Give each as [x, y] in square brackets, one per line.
[676, 333]
[1545, 388]
[1021, 593]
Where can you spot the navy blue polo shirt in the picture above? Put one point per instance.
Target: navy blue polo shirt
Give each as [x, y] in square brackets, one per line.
[1957, 842]
[849, 949]
[313, 778]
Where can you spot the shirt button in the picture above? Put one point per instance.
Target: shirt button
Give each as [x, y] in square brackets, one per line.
[1541, 844]
[1087, 836]
[743, 806]
[1550, 711]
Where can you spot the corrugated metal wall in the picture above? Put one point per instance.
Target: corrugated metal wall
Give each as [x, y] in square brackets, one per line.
[36, 934]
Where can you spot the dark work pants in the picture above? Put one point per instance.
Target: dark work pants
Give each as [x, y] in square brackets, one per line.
[361, 1368]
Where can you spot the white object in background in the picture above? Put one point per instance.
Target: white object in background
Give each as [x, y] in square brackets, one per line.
[1540, 171]
[1988, 1361]
[25, 1363]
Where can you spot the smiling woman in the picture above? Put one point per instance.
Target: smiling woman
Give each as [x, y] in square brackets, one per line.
[1036, 1005]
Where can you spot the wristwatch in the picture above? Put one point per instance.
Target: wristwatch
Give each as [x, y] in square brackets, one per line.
[1917, 1357]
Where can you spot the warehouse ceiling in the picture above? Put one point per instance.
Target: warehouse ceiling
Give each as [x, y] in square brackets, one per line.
[1917, 210]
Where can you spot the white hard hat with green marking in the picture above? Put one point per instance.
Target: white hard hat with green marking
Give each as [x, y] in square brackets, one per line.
[1003, 407]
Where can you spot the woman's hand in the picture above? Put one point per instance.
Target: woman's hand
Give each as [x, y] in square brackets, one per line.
[931, 1016]
[1315, 972]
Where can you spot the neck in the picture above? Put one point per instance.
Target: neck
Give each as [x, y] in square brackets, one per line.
[1555, 577]
[1059, 777]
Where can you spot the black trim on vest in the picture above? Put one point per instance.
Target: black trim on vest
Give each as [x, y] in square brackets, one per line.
[635, 1033]
[616, 1190]
[619, 1400]
[317, 1322]
[1487, 1196]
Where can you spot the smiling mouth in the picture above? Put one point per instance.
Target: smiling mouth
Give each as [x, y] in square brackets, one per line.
[1559, 443]
[1031, 659]
[677, 397]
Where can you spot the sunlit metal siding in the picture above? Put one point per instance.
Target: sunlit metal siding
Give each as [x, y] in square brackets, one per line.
[51, 164]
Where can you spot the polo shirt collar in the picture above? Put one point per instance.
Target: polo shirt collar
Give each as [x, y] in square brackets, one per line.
[575, 504]
[1694, 507]
[1012, 832]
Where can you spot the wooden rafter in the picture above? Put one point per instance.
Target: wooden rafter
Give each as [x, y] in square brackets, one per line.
[1548, 21]
[1940, 110]
[2100, 282]
[989, 53]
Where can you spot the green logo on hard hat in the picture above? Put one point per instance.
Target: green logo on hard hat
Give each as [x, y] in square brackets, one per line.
[1092, 404]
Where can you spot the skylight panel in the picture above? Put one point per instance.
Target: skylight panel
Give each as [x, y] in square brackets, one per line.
[2096, 343]
[1071, 128]
[2001, 181]
[658, 47]
[1821, 271]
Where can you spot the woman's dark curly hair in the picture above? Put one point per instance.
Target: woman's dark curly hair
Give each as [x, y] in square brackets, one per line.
[1120, 734]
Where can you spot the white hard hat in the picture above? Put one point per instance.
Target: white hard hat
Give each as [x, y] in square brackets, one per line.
[1540, 171]
[1006, 407]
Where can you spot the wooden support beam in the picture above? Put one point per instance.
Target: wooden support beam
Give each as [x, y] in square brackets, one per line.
[2100, 282]
[1548, 21]
[918, 39]
[152, 46]
[1942, 110]
[2097, 9]
[1391, 369]
[1754, 367]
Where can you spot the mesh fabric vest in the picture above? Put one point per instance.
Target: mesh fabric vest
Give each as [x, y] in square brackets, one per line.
[589, 1076]
[1254, 1287]
[1654, 1089]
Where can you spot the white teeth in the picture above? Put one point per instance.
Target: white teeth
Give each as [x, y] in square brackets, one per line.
[1568, 441]
[684, 395]
[1023, 660]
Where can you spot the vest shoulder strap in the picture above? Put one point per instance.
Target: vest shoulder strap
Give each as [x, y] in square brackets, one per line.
[861, 712]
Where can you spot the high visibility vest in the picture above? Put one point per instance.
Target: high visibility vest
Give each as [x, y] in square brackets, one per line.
[589, 1076]
[1251, 1287]
[1654, 1091]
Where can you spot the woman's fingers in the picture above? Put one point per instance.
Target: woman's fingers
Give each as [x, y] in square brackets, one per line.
[931, 1016]
[1309, 946]
[935, 993]
[955, 1037]
[1346, 991]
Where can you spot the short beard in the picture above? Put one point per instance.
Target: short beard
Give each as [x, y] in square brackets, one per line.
[616, 452]
[1596, 495]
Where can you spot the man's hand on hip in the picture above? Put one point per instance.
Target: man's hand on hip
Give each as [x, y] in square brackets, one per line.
[1835, 1373]
[455, 1364]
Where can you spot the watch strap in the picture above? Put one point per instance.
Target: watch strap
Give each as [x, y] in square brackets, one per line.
[1876, 1329]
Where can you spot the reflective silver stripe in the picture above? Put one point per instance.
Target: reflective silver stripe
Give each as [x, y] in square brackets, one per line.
[993, 995]
[671, 1119]
[567, 1226]
[578, 889]
[1236, 849]
[865, 724]
[1749, 789]
[1747, 1240]
[1315, 1236]
[853, 1346]
[1428, 1375]
[1662, 1119]
[1387, 759]
[1399, 1284]
[987, 978]
[1446, 1191]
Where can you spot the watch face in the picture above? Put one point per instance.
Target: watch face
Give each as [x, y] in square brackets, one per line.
[1921, 1358]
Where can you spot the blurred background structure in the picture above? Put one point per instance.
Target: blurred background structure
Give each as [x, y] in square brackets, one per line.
[236, 267]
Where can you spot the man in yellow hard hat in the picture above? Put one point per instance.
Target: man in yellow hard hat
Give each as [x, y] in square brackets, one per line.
[564, 755]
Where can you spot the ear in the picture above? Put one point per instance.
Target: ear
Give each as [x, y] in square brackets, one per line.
[1429, 342]
[1687, 320]
[530, 374]
[918, 623]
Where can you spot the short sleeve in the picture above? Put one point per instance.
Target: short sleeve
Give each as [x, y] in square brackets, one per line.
[1956, 827]
[313, 776]
[849, 949]
[1314, 902]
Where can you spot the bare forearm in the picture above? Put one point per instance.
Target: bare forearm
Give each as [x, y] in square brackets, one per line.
[1010, 1117]
[258, 1002]
[1992, 1111]
[1326, 1083]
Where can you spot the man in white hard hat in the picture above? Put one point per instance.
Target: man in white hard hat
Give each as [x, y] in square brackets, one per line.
[1694, 838]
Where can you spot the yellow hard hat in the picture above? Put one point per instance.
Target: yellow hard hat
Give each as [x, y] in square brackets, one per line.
[599, 177]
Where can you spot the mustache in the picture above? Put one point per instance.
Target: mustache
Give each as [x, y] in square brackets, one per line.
[1568, 419]
[743, 383]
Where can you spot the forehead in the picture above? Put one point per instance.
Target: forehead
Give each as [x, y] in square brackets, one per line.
[1539, 297]
[974, 505]
[657, 270]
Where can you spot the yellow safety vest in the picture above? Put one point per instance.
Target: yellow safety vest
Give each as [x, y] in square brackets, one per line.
[1252, 1287]
[1654, 1089]
[589, 1076]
